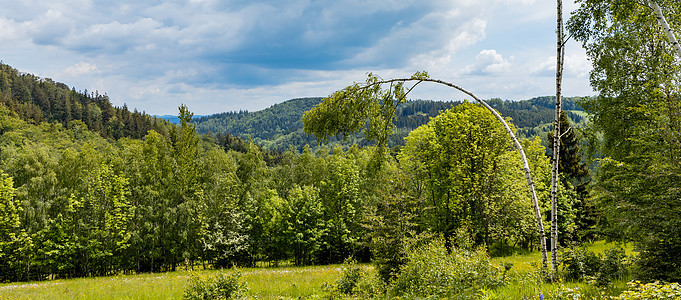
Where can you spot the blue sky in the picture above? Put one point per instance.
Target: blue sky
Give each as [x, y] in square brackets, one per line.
[222, 55]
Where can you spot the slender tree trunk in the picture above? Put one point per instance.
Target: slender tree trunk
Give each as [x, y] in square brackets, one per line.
[665, 27]
[560, 56]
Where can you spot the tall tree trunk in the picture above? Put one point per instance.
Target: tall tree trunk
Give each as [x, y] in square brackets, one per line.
[665, 27]
[560, 57]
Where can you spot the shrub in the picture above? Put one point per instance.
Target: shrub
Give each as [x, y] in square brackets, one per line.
[433, 272]
[221, 286]
[354, 281]
[613, 266]
[660, 260]
[651, 291]
[352, 274]
[580, 264]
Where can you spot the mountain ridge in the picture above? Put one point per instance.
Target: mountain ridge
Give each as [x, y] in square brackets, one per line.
[279, 126]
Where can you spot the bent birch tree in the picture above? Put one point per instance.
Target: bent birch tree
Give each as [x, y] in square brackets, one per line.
[347, 111]
[665, 27]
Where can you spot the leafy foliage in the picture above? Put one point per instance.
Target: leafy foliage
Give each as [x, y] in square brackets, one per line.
[434, 271]
[221, 286]
[638, 113]
[653, 290]
[471, 178]
[580, 264]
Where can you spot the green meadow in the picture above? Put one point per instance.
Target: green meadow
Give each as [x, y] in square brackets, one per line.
[281, 283]
[263, 283]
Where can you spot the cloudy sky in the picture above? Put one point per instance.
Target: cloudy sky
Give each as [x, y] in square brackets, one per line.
[226, 55]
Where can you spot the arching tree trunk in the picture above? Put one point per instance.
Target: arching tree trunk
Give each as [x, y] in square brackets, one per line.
[665, 27]
[516, 142]
[322, 122]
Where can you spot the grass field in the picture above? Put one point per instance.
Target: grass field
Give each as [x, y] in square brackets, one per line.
[263, 283]
[266, 283]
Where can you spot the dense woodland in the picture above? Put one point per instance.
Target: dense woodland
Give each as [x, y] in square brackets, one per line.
[81, 202]
[38, 100]
[280, 126]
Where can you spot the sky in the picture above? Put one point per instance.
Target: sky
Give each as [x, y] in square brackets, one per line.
[230, 55]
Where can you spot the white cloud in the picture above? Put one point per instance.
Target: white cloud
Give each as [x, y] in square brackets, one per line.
[11, 30]
[227, 55]
[81, 68]
[576, 65]
[440, 61]
[488, 62]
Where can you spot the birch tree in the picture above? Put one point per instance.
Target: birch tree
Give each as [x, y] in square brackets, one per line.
[665, 27]
[638, 112]
[370, 108]
[560, 58]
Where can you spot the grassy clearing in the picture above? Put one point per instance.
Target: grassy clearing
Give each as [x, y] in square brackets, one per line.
[263, 283]
[523, 284]
[141, 286]
[283, 282]
[531, 261]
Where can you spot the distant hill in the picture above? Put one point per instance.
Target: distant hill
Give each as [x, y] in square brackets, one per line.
[174, 118]
[279, 126]
[36, 100]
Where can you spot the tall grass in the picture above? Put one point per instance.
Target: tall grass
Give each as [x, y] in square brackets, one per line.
[282, 282]
[263, 283]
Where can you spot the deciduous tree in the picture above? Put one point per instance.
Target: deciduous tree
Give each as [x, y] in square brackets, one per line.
[638, 111]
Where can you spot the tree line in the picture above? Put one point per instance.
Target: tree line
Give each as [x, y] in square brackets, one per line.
[76, 204]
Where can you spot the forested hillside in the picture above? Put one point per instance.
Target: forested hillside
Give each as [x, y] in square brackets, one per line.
[37, 100]
[279, 126]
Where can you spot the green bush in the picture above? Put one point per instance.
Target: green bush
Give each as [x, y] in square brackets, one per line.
[579, 264]
[354, 281]
[432, 271]
[613, 266]
[660, 260]
[221, 286]
[352, 274]
[651, 291]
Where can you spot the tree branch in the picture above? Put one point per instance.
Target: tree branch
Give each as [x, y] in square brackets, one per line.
[566, 132]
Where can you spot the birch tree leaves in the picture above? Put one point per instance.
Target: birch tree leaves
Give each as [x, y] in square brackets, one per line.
[367, 107]
[638, 111]
[357, 107]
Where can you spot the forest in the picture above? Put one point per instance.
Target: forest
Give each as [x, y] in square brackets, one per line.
[427, 193]
[81, 202]
[280, 126]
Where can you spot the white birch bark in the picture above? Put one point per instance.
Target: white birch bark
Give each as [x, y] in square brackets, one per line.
[665, 27]
[560, 56]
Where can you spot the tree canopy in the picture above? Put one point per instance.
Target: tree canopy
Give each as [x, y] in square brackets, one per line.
[637, 110]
